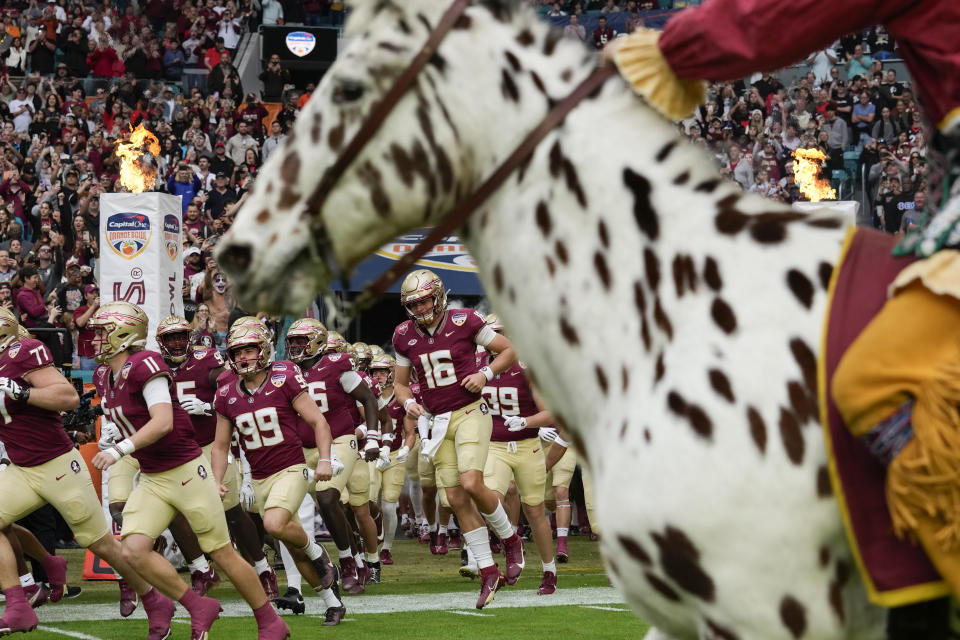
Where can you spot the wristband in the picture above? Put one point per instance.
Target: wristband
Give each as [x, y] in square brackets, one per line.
[560, 441]
[406, 403]
[122, 448]
[324, 460]
[373, 435]
[487, 373]
[387, 437]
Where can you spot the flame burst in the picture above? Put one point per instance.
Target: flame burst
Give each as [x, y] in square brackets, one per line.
[806, 173]
[138, 169]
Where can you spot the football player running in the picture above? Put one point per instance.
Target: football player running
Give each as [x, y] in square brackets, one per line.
[516, 454]
[440, 345]
[46, 468]
[335, 388]
[263, 405]
[392, 470]
[195, 376]
[174, 474]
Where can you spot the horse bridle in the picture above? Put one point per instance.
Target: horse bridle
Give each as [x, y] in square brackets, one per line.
[474, 200]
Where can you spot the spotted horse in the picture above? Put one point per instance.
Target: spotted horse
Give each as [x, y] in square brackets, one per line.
[671, 320]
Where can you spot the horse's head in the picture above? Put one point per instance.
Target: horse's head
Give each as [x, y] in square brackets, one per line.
[308, 220]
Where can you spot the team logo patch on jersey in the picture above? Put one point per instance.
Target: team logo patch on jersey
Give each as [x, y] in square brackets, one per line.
[232, 400]
[459, 318]
[335, 356]
[402, 329]
[14, 350]
[75, 466]
[412, 342]
[125, 371]
[278, 379]
[202, 472]
[279, 366]
[306, 475]
[200, 354]
[128, 234]
[224, 391]
[171, 235]
[484, 409]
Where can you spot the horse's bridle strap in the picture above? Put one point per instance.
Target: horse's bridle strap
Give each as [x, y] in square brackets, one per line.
[476, 199]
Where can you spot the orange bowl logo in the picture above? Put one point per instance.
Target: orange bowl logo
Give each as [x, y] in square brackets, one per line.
[128, 234]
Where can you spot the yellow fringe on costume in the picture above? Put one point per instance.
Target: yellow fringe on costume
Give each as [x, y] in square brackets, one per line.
[925, 476]
[639, 60]
[940, 273]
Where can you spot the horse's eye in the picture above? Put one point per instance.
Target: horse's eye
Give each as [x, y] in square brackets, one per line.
[348, 91]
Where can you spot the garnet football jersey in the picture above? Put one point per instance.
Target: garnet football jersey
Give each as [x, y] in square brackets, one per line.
[442, 360]
[356, 411]
[192, 380]
[123, 403]
[395, 409]
[266, 419]
[323, 381]
[32, 435]
[509, 394]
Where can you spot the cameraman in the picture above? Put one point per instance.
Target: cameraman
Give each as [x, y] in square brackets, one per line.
[85, 335]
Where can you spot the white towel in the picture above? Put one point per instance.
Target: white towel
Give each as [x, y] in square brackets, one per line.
[438, 432]
[423, 426]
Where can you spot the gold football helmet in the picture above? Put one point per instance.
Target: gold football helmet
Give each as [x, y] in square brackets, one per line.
[241, 337]
[361, 355]
[419, 285]
[383, 362]
[173, 338]
[252, 321]
[118, 326]
[22, 333]
[377, 351]
[493, 321]
[336, 343]
[9, 329]
[306, 338]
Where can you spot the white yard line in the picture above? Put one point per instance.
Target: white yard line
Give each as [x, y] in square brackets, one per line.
[471, 613]
[599, 608]
[506, 598]
[71, 634]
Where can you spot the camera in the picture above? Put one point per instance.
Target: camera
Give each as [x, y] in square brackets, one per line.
[84, 417]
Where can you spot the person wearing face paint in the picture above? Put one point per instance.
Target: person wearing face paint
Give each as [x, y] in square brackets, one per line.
[214, 291]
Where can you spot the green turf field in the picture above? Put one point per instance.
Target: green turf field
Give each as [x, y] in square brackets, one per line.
[421, 596]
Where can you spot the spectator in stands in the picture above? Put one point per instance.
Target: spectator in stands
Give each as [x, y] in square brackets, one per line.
[864, 113]
[220, 196]
[740, 167]
[16, 58]
[273, 140]
[221, 163]
[575, 30]
[49, 266]
[174, 61]
[556, 11]
[838, 136]
[8, 266]
[185, 184]
[212, 56]
[104, 63]
[272, 12]
[42, 53]
[237, 146]
[610, 7]
[21, 110]
[69, 293]
[81, 317]
[274, 76]
[224, 76]
[885, 128]
[602, 34]
[29, 298]
[858, 63]
[229, 29]
[253, 113]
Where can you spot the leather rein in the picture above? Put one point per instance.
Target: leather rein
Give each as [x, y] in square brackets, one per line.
[474, 200]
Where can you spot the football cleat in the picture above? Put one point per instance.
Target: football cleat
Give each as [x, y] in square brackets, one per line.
[56, 568]
[468, 567]
[203, 581]
[593, 537]
[456, 540]
[72, 592]
[386, 557]
[268, 579]
[548, 584]
[562, 555]
[37, 595]
[333, 616]
[128, 599]
[491, 580]
[438, 546]
[202, 618]
[351, 582]
[275, 630]
[291, 600]
[363, 573]
[324, 569]
[374, 573]
[424, 537]
[513, 553]
[160, 610]
[18, 618]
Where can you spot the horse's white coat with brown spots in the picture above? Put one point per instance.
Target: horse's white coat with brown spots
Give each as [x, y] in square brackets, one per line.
[690, 392]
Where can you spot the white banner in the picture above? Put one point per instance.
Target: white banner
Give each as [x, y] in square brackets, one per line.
[141, 254]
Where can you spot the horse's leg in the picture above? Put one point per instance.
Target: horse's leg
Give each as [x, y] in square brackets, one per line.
[656, 634]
